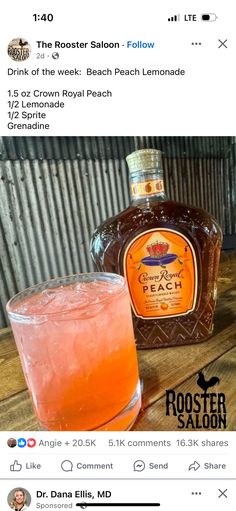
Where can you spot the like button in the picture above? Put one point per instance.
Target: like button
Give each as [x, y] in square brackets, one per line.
[15, 467]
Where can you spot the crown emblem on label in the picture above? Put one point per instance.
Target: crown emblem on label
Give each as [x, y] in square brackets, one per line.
[158, 249]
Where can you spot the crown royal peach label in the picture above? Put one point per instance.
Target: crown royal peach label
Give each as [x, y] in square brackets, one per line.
[161, 271]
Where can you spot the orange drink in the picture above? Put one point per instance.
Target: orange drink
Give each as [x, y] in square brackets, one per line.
[76, 343]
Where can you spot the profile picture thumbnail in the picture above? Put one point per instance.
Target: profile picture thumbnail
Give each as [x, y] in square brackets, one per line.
[19, 499]
[19, 49]
[11, 442]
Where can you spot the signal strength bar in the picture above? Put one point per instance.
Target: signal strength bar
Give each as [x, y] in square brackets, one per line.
[174, 18]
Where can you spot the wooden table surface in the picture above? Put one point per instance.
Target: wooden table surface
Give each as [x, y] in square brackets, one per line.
[168, 368]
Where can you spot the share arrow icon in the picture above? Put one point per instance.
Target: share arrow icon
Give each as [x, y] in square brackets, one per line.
[194, 466]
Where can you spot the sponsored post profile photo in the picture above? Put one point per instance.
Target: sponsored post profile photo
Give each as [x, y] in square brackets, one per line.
[19, 499]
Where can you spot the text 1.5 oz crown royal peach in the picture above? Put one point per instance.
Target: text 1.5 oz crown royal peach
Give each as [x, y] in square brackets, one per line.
[169, 253]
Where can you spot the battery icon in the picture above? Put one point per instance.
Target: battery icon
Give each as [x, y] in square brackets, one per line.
[209, 17]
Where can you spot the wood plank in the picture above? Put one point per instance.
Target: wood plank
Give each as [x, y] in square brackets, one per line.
[154, 418]
[167, 367]
[159, 369]
[4, 333]
[12, 378]
[16, 413]
[227, 271]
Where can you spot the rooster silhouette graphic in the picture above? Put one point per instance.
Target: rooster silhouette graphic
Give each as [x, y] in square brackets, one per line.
[205, 384]
[21, 43]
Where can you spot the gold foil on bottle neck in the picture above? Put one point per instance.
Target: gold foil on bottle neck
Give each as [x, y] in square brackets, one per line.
[144, 159]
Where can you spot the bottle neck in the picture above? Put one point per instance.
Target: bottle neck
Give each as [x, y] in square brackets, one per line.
[147, 184]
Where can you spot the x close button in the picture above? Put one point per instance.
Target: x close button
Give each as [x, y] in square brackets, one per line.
[223, 43]
[222, 493]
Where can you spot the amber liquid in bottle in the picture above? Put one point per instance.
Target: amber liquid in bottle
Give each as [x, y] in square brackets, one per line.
[169, 253]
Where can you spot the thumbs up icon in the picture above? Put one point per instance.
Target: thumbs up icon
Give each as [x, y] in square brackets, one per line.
[15, 467]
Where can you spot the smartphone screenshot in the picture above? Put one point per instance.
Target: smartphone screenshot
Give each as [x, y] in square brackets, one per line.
[117, 255]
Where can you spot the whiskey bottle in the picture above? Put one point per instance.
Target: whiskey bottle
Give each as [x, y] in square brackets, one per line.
[169, 253]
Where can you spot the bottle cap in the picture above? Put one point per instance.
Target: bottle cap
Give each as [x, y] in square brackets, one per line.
[144, 159]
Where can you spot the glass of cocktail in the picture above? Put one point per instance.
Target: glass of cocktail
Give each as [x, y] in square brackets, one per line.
[76, 344]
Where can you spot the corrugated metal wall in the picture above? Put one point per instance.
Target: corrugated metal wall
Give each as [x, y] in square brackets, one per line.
[54, 191]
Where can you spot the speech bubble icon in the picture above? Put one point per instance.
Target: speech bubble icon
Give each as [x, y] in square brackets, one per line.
[139, 465]
[67, 466]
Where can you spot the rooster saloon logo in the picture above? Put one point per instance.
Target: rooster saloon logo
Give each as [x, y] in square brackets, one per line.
[202, 410]
[19, 49]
